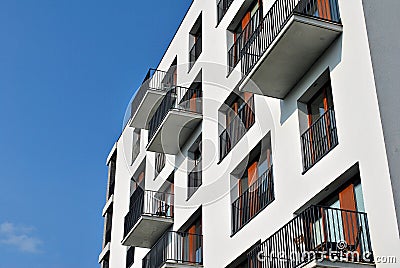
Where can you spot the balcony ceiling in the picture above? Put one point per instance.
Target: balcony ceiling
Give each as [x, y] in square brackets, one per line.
[147, 108]
[173, 132]
[301, 42]
[147, 231]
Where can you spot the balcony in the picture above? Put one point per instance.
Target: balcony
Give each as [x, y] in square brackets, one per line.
[257, 197]
[235, 52]
[176, 250]
[290, 38]
[195, 52]
[177, 116]
[135, 150]
[237, 128]
[194, 178]
[149, 96]
[150, 215]
[318, 237]
[222, 8]
[319, 139]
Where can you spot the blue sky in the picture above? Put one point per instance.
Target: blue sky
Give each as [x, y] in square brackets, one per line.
[67, 71]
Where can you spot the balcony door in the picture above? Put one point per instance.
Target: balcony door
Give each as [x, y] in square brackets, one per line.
[192, 250]
[320, 122]
[340, 223]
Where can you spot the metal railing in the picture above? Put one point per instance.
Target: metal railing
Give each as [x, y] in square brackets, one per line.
[274, 21]
[317, 233]
[235, 52]
[195, 51]
[257, 197]
[237, 128]
[130, 257]
[175, 247]
[135, 150]
[155, 80]
[150, 203]
[319, 139]
[178, 98]
[194, 179]
[159, 163]
[222, 8]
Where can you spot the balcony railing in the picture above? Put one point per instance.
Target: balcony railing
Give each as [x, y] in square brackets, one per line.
[149, 203]
[257, 197]
[175, 247]
[130, 257]
[195, 51]
[195, 178]
[159, 163]
[222, 8]
[317, 233]
[320, 138]
[154, 80]
[237, 128]
[235, 52]
[135, 150]
[179, 99]
[275, 20]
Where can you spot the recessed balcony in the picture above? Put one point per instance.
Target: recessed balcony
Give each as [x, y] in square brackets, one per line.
[150, 215]
[237, 128]
[149, 96]
[318, 237]
[288, 41]
[177, 116]
[176, 250]
[249, 204]
[319, 139]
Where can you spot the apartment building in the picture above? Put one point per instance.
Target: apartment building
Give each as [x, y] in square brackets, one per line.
[267, 136]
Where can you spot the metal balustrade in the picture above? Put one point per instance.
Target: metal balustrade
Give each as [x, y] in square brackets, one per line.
[194, 178]
[179, 99]
[235, 52]
[149, 203]
[222, 8]
[317, 233]
[275, 20]
[195, 51]
[175, 247]
[130, 257]
[257, 197]
[237, 128]
[154, 80]
[320, 138]
[135, 150]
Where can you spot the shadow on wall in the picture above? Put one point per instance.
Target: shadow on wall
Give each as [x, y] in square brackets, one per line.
[288, 105]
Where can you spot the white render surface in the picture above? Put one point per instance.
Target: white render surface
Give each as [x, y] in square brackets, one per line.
[359, 130]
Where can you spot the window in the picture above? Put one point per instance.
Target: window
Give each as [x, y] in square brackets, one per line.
[112, 166]
[253, 187]
[240, 30]
[106, 261]
[108, 226]
[222, 8]
[159, 163]
[194, 167]
[238, 116]
[341, 223]
[135, 144]
[130, 256]
[195, 42]
[193, 246]
[320, 137]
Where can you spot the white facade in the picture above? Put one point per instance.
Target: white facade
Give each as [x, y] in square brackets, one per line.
[361, 144]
